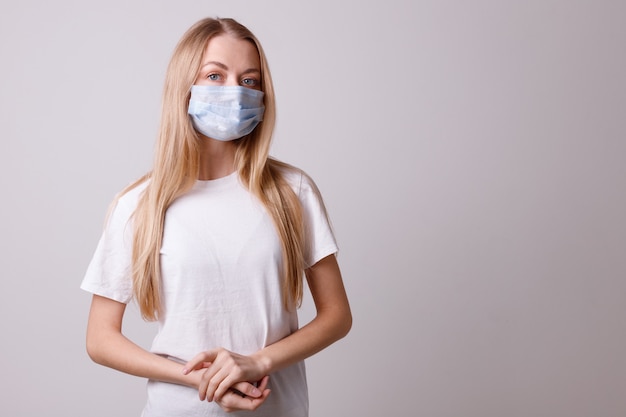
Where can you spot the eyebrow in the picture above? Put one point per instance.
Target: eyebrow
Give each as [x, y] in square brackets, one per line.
[219, 64]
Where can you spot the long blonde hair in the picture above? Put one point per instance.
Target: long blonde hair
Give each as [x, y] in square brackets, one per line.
[176, 168]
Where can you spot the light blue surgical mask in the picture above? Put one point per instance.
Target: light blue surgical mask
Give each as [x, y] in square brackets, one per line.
[225, 112]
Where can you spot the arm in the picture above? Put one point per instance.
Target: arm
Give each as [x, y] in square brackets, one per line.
[333, 320]
[106, 345]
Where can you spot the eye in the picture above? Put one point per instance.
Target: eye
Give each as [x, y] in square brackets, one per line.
[213, 77]
[249, 82]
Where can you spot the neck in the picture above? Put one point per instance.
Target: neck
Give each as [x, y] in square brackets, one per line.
[217, 159]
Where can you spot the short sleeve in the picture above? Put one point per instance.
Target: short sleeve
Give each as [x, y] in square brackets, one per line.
[109, 272]
[319, 237]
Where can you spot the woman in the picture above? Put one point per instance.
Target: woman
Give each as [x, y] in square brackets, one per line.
[213, 243]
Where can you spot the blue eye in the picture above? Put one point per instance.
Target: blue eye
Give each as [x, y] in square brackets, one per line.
[213, 77]
[249, 82]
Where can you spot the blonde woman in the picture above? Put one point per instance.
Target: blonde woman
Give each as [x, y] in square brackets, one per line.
[214, 243]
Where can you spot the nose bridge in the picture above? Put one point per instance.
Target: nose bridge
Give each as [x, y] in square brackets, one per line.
[231, 79]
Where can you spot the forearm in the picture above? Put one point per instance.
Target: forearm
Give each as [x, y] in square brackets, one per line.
[106, 345]
[332, 322]
[321, 332]
[118, 352]
[111, 348]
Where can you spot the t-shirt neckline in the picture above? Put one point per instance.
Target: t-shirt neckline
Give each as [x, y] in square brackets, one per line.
[218, 182]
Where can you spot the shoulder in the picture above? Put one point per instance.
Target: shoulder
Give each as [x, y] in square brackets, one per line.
[125, 202]
[131, 194]
[299, 181]
[129, 197]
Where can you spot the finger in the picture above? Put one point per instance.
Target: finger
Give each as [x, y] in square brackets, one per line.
[209, 382]
[197, 362]
[202, 387]
[254, 403]
[247, 389]
[262, 384]
[220, 381]
[211, 379]
[232, 401]
[219, 385]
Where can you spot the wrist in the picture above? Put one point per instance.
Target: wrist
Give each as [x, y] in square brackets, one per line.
[263, 361]
[193, 378]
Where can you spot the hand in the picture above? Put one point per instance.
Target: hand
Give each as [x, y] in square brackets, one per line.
[224, 369]
[240, 397]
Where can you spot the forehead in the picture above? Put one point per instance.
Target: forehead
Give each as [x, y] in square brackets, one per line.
[227, 49]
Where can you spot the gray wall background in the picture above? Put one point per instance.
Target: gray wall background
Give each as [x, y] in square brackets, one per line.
[472, 156]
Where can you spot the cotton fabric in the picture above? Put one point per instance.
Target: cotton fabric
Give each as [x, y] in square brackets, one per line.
[221, 265]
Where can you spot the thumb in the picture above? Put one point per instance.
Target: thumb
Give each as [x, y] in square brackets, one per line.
[246, 389]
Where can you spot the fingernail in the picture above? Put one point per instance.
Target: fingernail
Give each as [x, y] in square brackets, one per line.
[256, 391]
[185, 370]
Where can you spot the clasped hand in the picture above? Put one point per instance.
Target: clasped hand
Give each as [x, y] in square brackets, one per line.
[233, 381]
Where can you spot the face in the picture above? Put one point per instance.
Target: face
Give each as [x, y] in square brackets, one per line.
[228, 61]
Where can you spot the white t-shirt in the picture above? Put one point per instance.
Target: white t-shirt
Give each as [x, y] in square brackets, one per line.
[221, 284]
